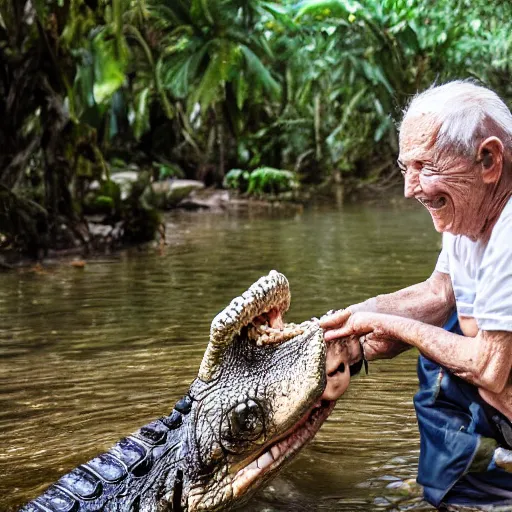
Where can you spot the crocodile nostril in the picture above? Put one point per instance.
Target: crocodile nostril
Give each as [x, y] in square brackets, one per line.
[340, 369]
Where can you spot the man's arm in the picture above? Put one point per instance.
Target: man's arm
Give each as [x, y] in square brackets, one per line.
[484, 360]
[430, 302]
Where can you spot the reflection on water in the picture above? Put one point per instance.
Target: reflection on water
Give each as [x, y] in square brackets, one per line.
[88, 355]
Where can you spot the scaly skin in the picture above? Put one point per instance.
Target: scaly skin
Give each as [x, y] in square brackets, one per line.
[490, 508]
[260, 396]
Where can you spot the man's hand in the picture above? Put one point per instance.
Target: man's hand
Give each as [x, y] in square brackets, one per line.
[369, 328]
[335, 320]
[359, 324]
[381, 347]
[345, 323]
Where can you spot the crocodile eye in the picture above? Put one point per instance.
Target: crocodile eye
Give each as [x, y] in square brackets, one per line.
[246, 421]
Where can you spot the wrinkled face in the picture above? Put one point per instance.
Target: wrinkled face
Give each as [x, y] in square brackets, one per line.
[263, 399]
[449, 185]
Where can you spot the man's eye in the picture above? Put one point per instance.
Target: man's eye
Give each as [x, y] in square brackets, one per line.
[427, 170]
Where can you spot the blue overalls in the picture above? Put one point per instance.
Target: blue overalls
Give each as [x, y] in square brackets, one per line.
[457, 429]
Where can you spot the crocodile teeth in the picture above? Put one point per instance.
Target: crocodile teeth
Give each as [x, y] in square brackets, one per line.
[281, 451]
[276, 452]
[264, 460]
[266, 335]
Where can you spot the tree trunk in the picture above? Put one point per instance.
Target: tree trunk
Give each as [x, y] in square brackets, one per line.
[318, 134]
[221, 171]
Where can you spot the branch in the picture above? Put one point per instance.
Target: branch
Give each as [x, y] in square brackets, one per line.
[12, 173]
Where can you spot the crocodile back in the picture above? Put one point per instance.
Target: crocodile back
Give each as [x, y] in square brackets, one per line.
[115, 480]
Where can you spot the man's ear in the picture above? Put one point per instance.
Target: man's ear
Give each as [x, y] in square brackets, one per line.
[490, 155]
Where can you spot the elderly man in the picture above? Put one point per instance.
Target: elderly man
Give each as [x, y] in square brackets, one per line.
[456, 159]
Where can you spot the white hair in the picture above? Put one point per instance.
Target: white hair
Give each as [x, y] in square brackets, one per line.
[465, 113]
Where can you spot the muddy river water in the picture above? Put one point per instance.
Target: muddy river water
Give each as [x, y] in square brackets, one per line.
[89, 355]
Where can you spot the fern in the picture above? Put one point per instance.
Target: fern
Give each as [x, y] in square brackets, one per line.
[267, 180]
[236, 179]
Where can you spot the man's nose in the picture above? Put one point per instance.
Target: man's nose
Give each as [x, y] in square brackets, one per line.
[411, 183]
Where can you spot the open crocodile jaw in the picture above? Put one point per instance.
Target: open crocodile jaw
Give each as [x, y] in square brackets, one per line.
[331, 379]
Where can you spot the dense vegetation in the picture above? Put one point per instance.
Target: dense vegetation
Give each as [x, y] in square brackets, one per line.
[194, 88]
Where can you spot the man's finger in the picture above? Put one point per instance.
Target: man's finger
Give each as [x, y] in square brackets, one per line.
[334, 334]
[334, 320]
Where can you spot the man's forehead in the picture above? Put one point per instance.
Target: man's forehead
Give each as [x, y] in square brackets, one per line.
[418, 136]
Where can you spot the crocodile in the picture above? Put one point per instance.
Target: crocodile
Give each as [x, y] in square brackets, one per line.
[263, 390]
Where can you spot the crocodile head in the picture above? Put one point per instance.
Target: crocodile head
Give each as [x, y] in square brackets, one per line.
[263, 390]
[260, 396]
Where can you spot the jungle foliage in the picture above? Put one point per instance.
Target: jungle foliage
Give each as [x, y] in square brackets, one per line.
[193, 88]
[264, 181]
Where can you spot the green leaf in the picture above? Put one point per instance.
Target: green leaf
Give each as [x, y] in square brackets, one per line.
[166, 171]
[408, 38]
[108, 69]
[236, 179]
[224, 60]
[176, 12]
[383, 127]
[104, 202]
[176, 75]
[349, 109]
[267, 180]
[242, 90]
[259, 72]
[141, 122]
[180, 70]
[209, 89]
[280, 13]
[200, 9]
[324, 8]
[84, 82]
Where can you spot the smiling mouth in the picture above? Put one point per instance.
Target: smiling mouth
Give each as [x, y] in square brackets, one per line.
[434, 204]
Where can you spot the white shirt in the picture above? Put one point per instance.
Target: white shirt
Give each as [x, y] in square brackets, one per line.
[481, 274]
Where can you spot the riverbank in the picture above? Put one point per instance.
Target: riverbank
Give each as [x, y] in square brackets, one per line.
[102, 238]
